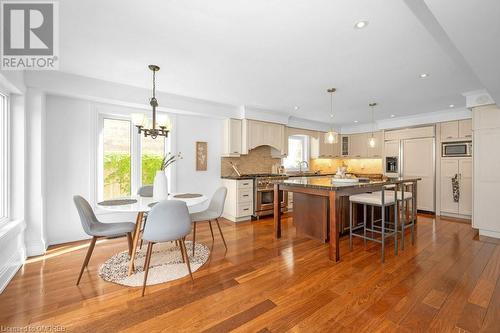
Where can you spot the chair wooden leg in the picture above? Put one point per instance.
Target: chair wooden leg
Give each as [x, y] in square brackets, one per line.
[183, 246]
[146, 266]
[130, 242]
[179, 242]
[211, 230]
[194, 236]
[87, 258]
[221, 234]
[143, 227]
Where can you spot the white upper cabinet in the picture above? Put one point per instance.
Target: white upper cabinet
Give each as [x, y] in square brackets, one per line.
[465, 128]
[358, 145]
[459, 129]
[231, 144]
[327, 150]
[260, 133]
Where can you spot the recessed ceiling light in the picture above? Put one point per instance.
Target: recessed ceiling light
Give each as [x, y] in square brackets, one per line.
[360, 24]
[452, 105]
[296, 107]
[424, 75]
[393, 115]
[355, 121]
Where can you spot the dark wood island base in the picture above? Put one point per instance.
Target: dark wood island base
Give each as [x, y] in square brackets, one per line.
[317, 206]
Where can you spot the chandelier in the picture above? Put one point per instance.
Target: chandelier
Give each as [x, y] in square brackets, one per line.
[139, 120]
[331, 136]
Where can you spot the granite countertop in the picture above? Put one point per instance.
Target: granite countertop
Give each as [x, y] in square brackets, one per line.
[325, 182]
[238, 177]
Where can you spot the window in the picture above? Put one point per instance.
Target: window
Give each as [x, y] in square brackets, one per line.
[152, 153]
[4, 159]
[117, 175]
[127, 160]
[298, 151]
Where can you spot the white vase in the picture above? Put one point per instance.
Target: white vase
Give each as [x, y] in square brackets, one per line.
[160, 186]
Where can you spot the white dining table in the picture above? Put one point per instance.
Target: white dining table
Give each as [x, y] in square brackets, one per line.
[143, 205]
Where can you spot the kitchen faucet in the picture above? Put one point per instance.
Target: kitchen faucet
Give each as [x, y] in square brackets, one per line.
[300, 165]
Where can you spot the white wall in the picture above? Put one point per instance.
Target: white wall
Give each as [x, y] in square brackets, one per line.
[71, 152]
[189, 130]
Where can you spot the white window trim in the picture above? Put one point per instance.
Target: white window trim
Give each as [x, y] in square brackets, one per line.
[5, 151]
[306, 139]
[135, 153]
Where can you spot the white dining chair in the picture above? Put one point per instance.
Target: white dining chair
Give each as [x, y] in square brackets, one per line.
[145, 191]
[168, 221]
[213, 212]
[96, 229]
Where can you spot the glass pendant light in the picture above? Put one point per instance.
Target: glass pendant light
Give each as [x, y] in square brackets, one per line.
[331, 137]
[372, 142]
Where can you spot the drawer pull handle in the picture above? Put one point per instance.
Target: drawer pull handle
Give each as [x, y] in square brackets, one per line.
[246, 209]
[245, 195]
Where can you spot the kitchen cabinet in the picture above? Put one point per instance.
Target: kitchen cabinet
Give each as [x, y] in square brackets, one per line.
[358, 146]
[327, 150]
[231, 145]
[461, 170]
[239, 199]
[459, 129]
[345, 146]
[259, 133]
[391, 148]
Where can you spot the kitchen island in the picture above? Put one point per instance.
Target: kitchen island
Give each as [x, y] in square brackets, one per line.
[317, 204]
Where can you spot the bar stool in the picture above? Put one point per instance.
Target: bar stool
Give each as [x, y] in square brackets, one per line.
[376, 199]
[404, 199]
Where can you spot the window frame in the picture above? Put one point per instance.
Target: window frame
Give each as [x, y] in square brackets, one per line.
[5, 151]
[135, 154]
[305, 152]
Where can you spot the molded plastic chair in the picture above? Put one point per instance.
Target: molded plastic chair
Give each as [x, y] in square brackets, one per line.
[168, 221]
[96, 229]
[214, 211]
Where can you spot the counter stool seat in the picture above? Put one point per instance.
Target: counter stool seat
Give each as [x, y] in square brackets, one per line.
[376, 199]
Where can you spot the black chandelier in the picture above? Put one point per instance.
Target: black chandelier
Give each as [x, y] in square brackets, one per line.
[139, 118]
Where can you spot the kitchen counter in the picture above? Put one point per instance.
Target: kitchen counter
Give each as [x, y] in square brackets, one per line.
[326, 183]
[317, 207]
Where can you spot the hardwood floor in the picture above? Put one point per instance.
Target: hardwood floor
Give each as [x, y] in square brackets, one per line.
[447, 282]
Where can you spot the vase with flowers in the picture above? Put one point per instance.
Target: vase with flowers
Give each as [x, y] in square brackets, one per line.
[160, 184]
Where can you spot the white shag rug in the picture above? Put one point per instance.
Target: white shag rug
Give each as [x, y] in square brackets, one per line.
[166, 264]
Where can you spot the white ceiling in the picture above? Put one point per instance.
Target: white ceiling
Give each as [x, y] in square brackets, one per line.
[271, 54]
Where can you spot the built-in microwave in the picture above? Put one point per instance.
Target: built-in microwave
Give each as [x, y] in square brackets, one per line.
[456, 149]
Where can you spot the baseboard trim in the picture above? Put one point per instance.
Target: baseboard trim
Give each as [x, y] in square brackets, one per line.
[488, 233]
[10, 269]
[35, 248]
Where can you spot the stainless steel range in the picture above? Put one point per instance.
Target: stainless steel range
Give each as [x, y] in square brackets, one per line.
[264, 194]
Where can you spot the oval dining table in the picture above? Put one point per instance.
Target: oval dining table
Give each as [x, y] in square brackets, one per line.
[143, 205]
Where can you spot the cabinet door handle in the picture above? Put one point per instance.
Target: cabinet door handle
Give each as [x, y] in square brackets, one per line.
[245, 195]
[235, 152]
[449, 137]
[468, 136]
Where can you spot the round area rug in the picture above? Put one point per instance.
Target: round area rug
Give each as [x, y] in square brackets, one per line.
[166, 264]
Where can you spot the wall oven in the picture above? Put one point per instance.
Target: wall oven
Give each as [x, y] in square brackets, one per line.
[456, 149]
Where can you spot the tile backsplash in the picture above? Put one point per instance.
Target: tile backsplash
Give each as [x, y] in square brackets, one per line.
[360, 166]
[258, 160]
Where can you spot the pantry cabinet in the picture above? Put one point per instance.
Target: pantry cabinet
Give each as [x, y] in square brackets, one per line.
[456, 186]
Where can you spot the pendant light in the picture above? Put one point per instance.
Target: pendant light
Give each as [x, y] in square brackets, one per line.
[331, 137]
[372, 142]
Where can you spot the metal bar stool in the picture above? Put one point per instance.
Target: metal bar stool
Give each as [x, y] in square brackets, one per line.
[376, 199]
[405, 196]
